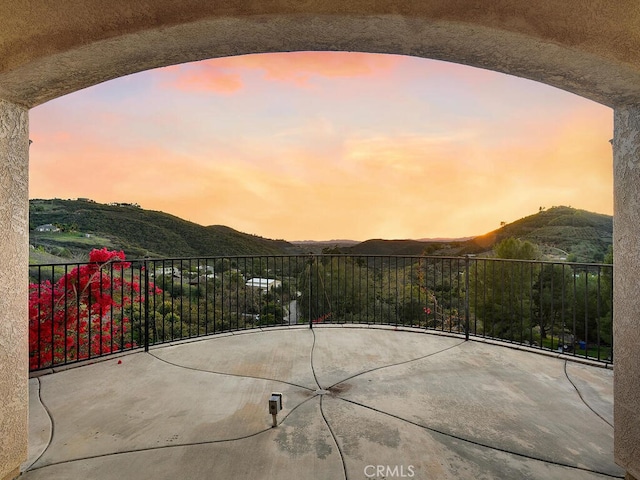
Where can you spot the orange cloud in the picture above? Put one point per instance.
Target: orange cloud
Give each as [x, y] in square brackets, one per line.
[357, 185]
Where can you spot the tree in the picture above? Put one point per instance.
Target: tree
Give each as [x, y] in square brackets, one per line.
[500, 295]
[272, 313]
[592, 308]
[552, 298]
[337, 289]
[514, 248]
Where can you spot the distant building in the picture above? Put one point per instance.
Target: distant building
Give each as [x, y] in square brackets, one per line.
[202, 279]
[168, 271]
[123, 204]
[47, 228]
[263, 284]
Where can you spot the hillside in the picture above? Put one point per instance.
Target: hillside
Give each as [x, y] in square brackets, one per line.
[138, 232]
[560, 232]
[389, 247]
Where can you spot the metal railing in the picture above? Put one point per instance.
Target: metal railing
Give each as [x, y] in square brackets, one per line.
[82, 311]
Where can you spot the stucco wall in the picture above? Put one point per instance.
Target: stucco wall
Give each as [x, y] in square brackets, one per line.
[626, 250]
[14, 257]
[47, 49]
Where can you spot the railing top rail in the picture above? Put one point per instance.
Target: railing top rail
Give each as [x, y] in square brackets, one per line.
[329, 255]
[548, 262]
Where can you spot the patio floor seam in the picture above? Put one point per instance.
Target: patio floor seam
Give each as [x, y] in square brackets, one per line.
[228, 374]
[335, 440]
[480, 444]
[396, 364]
[51, 422]
[174, 445]
[566, 373]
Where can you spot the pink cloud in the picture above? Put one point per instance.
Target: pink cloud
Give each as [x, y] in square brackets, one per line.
[226, 75]
[300, 67]
[319, 177]
[207, 78]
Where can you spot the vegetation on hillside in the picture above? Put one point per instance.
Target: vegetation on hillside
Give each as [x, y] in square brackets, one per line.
[86, 225]
[567, 232]
[560, 233]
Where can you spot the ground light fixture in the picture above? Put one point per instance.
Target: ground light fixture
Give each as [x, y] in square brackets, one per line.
[275, 405]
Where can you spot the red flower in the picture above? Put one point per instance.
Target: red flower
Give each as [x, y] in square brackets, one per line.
[82, 314]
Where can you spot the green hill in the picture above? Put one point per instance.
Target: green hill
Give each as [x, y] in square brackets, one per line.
[86, 225]
[560, 232]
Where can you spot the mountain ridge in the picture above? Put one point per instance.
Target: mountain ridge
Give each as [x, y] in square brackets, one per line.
[139, 232]
[561, 232]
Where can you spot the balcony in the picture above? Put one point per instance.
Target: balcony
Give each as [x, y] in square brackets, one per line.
[354, 398]
[184, 393]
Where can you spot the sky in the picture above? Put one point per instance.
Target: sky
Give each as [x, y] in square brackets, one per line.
[327, 145]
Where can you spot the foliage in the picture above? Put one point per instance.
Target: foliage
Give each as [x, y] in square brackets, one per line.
[83, 314]
[501, 291]
[516, 249]
[540, 301]
[500, 297]
[331, 289]
[552, 297]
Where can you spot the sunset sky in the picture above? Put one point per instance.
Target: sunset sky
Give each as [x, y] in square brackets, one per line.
[327, 145]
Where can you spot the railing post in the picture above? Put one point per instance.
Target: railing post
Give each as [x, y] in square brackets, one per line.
[466, 297]
[310, 290]
[146, 305]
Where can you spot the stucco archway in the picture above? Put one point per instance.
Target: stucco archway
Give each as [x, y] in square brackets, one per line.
[591, 48]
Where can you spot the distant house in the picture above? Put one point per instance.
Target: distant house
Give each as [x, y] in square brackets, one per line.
[47, 228]
[123, 204]
[168, 271]
[263, 284]
[202, 279]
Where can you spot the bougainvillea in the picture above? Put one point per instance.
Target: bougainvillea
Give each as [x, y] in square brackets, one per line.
[85, 313]
[321, 318]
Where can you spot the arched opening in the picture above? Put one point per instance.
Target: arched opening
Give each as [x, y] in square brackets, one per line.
[590, 50]
[318, 145]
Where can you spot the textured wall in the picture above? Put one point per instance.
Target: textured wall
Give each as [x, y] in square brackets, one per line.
[14, 257]
[626, 250]
[48, 49]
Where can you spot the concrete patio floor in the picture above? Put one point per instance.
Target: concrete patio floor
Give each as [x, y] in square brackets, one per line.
[358, 403]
